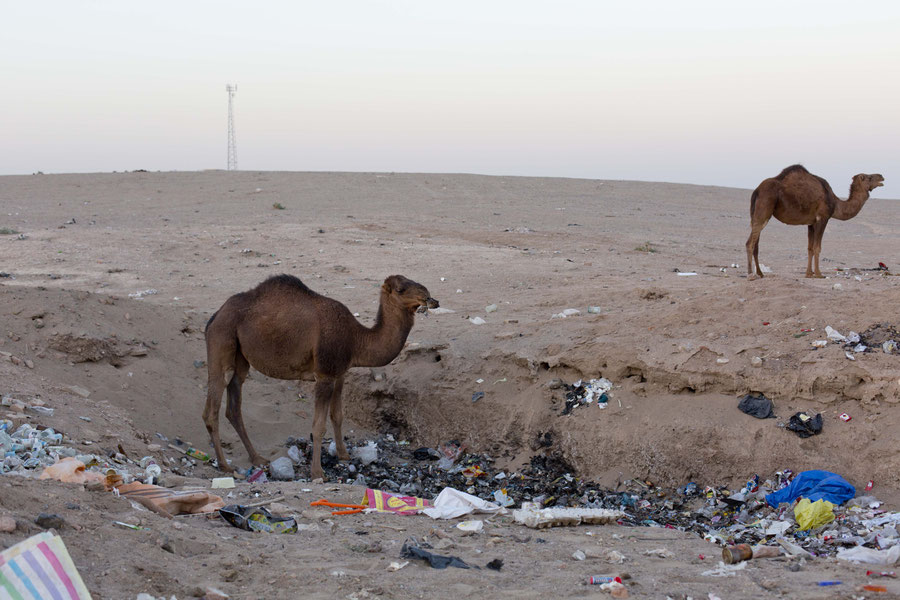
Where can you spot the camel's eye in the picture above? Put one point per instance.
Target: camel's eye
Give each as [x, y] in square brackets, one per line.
[401, 289]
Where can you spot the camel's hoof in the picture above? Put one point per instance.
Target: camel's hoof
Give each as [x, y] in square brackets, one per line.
[343, 455]
[815, 276]
[258, 461]
[753, 277]
[317, 475]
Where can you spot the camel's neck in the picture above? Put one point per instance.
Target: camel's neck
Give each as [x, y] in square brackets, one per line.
[383, 342]
[847, 209]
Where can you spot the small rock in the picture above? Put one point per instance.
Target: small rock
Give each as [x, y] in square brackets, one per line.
[50, 521]
[7, 524]
[756, 361]
[199, 364]
[579, 555]
[490, 308]
[29, 363]
[555, 384]
[153, 448]
[170, 480]
[282, 469]
[15, 360]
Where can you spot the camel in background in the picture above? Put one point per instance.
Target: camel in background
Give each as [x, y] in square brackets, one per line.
[797, 197]
[285, 330]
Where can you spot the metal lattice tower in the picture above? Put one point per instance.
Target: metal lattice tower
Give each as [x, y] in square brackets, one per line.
[232, 146]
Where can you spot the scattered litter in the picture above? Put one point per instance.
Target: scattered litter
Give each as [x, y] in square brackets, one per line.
[140, 294]
[580, 393]
[861, 554]
[490, 308]
[473, 526]
[71, 470]
[844, 417]
[804, 425]
[382, 501]
[411, 549]
[687, 274]
[440, 311]
[538, 518]
[659, 553]
[366, 454]
[810, 515]
[594, 310]
[282, 469]
[477, 396]
[757, 405]
[452, 503]
[579, 555]
[41, 560]
[569, 312]
[222, 483]
[396, 566]
[257, 519]
[814, 485]
[819, 343]
[723, 570]
[477, 321]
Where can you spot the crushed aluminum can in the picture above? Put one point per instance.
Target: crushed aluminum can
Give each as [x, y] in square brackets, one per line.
[844, 417]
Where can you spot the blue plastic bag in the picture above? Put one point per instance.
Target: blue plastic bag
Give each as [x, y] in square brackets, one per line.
[815, 485]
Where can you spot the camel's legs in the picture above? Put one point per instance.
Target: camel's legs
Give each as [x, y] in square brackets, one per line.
[233, 409]
[819, 231]
[324, 392]
[215, 388]
[753, 248]
[337, 418]
[810, 249]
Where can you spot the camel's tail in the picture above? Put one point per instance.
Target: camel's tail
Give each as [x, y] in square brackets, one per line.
[752, 210]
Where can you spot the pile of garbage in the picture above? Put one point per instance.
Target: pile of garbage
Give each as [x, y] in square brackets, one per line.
[583, 393]
[820, 527]
[881, 335]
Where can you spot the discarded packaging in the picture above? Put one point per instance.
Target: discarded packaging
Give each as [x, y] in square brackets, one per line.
[757, 405]
[538, 518]
[257, 519]
[168, 502]
[814, 485]
[861, 554]
[452, 503]
[810, 515]
[71, 470]
[805, 425]
[224, 483]
[382, 501]
[40, 562]
[474, 526]
[741, 552]
[411, 549]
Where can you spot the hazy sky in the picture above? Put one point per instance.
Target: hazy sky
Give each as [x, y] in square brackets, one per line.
[697, 92]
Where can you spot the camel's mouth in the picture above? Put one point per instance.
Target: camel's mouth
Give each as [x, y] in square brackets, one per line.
[429, 303]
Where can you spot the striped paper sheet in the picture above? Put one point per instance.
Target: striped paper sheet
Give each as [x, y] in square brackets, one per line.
[40, 568]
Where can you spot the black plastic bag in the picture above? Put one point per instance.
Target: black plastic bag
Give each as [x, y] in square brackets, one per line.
[804, 425]
[412, 550]
[758, 406]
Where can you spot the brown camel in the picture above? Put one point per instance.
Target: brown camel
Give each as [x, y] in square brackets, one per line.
[797, 197]
[285, 330]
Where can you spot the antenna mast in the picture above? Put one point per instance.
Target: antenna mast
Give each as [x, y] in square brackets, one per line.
[232, 146]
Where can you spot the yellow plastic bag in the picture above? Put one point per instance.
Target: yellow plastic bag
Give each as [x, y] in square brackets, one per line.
[813, 514]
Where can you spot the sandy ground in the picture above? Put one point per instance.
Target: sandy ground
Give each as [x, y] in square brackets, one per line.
[679, 349]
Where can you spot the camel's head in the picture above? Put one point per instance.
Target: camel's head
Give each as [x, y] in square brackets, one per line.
[868, 182]
[407, 293]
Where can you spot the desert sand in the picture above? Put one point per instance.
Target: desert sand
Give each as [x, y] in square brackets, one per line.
[680, 349]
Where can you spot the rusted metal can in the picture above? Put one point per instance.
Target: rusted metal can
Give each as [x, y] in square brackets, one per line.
[735, 554]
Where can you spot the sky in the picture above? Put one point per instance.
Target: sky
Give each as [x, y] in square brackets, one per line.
[690, 92]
